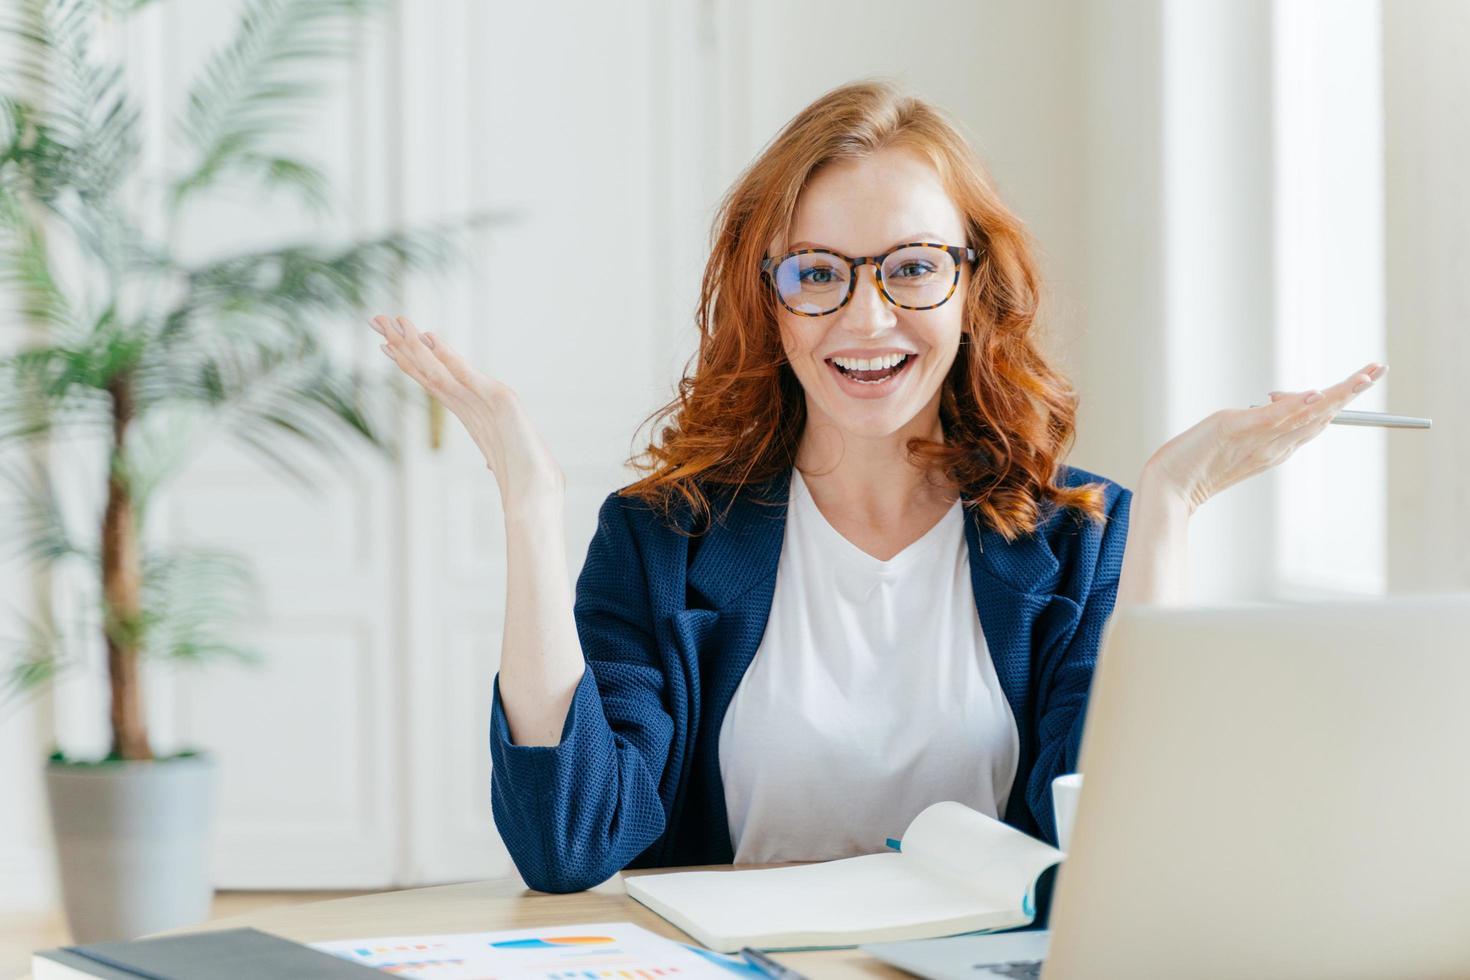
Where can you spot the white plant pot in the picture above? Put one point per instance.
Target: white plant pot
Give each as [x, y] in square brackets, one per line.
[133, 843]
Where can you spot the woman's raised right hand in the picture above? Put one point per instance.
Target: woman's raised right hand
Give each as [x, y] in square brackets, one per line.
[489, 409]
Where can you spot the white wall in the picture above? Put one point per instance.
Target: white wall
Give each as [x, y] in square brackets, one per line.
[1117, 356]
[1426, 79]
[1329, 289]
[1217, 255]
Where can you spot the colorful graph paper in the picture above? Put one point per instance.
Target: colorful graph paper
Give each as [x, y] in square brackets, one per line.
[604, 951]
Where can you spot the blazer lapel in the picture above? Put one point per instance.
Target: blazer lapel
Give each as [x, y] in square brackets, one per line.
[744, 548]
[734, 572]
[1013, 582]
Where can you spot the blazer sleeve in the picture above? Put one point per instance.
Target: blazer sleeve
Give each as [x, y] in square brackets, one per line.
[574, 814]
[1067, 675]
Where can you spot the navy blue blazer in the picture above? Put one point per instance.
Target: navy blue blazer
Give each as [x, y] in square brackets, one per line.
[668, 625]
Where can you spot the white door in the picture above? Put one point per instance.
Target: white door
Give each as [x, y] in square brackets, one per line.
[357, 755]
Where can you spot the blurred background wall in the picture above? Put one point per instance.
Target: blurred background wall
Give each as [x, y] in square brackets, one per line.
[1229, 196]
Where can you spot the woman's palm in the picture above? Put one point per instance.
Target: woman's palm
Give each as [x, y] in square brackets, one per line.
[489, 409]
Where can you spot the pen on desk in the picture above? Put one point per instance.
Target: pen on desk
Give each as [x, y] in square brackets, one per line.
[1377, 418]
[768, 966]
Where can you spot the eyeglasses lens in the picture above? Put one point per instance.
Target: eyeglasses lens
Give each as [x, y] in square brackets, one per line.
[815, 283]
[919, 276]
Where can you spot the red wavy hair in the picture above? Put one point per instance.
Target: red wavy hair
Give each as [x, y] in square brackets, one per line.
[1007, 416]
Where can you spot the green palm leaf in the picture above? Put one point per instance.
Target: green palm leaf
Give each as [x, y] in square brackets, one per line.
[194, 601]
[83, 138]
[37, 532]
[26, 268]
[254, 87]
[45, 390]
[32, 659]
[296, 278]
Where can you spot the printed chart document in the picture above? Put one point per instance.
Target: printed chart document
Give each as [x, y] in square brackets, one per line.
[957, 870]
[600, 951]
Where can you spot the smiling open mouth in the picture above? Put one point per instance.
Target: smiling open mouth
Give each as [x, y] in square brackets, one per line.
[876, 377]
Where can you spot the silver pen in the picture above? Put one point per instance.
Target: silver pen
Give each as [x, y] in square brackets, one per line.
[1376, 418]
[768, 966]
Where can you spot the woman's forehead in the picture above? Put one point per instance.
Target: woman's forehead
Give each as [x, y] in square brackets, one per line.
[868, 205]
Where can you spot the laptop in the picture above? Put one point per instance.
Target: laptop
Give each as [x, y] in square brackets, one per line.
[1269, 792]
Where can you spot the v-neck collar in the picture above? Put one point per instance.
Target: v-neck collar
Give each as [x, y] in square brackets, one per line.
[742, 549]
[854, 556]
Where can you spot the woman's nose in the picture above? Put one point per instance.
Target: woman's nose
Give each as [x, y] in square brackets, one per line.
[867, 305]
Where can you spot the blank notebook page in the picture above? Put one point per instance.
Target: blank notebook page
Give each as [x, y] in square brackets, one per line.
[875, 891]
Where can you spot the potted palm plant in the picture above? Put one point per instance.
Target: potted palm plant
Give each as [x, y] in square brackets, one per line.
[137, 357]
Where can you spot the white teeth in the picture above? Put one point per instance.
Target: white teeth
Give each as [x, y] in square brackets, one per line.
[869, 364]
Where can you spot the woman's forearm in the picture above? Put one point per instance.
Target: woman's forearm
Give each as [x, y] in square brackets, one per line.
[541, 659]
[1156, 556]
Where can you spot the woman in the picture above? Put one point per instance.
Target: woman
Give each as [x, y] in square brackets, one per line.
[857, 578]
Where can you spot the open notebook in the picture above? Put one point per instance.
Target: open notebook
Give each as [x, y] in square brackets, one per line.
[957, 870]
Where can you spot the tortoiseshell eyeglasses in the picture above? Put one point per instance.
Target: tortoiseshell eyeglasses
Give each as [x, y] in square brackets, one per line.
[912, 276]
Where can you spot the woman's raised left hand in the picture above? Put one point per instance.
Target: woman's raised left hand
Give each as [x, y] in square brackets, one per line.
[1234, 444]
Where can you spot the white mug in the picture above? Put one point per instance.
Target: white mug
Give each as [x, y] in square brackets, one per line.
[1064, 793]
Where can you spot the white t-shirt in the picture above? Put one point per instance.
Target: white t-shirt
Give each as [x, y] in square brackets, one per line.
[871, 696]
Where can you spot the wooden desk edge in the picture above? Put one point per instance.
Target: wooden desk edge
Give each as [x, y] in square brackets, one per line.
[503, 903]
